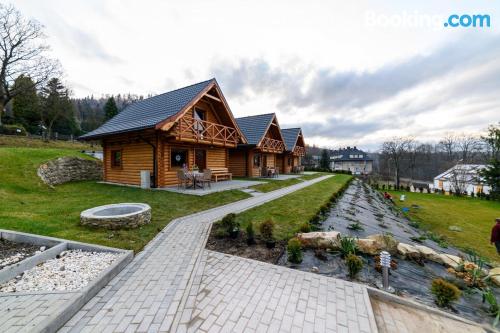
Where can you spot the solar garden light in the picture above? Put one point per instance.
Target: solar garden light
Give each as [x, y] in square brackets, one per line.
[385, 262]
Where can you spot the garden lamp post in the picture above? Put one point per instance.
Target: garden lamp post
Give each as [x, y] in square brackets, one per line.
[385, 262]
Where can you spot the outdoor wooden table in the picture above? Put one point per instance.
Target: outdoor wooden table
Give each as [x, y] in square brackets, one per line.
[194, 175]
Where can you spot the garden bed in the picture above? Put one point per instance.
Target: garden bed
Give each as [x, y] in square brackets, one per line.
[361, 212]
[12, 252]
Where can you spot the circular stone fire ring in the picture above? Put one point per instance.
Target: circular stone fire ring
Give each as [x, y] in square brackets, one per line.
[117, 216]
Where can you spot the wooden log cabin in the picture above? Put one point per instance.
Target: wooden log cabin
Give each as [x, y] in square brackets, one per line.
[264, 147]
[294, 148]
[189, 126]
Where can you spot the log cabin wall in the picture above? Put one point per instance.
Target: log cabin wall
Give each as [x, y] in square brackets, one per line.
[238, 162]
[136, 155]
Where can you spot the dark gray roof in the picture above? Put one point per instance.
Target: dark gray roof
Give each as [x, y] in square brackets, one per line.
[345, 154]
[290, 136]
[254, 127]
[150, 111]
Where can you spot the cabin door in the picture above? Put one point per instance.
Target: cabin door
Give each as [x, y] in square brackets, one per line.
[200, 158]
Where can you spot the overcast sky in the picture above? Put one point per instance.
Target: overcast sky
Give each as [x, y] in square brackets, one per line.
[348, 73]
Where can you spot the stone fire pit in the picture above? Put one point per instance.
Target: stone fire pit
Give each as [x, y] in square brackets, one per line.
[117, 216]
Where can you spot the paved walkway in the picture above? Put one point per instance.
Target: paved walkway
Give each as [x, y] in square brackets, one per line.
[174, 285]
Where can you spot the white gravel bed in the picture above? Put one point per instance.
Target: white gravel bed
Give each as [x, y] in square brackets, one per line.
[71, 270]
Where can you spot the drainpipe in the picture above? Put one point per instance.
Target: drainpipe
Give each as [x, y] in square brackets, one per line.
[155, 166]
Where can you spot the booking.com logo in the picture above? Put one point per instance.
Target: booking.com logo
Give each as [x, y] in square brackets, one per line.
[466, 21]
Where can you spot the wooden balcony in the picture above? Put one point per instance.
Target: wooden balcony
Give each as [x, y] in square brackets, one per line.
[201, 131]
[299, 151]
[272, 145]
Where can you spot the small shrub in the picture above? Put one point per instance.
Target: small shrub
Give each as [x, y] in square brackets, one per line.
[323, 210]
[355, 226]
[306, 227]
[444, 292]
[294, 251]
[347, 245]
[493, 306]
[354, 265]
[250, 234]
[230, 225]
[15, 129]
[267, 230]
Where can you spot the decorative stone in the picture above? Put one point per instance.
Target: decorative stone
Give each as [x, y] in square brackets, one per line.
[385, 243]
[451, 260]
[117, 216]
[67, 169]
[317, 239]
[408, 251]
[367, 246]
[495, 275]
[314, 269]
[429, 254]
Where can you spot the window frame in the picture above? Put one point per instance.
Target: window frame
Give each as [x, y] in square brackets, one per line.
[176, 149]
[114, 165]
[259, 162]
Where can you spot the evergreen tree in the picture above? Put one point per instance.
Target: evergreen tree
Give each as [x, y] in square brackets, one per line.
[110, 108]
[26, 105]
[324, 162]
[57, 111]
[491, 174]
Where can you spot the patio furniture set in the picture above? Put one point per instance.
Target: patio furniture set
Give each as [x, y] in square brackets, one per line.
[193, 179]
[298, 169]
[270, 172]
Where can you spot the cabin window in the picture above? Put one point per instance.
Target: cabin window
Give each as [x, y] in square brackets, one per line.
[289, 161]
[178, 158]
[116, 158]
[199, 115]
[256, 160]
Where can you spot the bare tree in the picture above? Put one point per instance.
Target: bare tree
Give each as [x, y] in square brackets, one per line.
[448, 145]
[396, 149]
[21, 53]
[468, 146]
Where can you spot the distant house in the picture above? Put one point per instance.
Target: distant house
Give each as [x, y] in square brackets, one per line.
[463, 178]
[351, 159]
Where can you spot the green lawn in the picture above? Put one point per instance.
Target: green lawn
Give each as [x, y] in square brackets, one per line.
[29, 205]
[292, 210]
[438, 212]
[23, 141]
[273, 184]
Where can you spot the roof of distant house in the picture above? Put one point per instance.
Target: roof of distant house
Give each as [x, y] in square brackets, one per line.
[254, 127]
[468, 173]
[147, 113]
[349, 154]
[290, 135]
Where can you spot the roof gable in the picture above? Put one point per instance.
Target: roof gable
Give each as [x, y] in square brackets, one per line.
[149, 112]
[255, 127]
[290, 135]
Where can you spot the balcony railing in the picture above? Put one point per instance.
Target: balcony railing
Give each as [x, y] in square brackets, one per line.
[194, 130]
[272, 145]
[300, 151]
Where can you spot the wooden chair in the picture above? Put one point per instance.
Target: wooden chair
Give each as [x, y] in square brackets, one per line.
[206, 178]
[182, 179]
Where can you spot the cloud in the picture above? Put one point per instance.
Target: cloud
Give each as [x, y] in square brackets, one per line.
[457, 83]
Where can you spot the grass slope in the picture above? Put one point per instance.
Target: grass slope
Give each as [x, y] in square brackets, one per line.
[23, 141]
[438, 212]
[292, 210]
[273, 184]
[29, 205]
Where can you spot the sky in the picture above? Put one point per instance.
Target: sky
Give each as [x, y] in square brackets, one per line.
[348, 73]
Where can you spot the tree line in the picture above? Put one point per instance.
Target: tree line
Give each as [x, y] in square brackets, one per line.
[33, 98]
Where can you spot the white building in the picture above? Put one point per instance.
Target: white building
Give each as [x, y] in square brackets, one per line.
[464, 177]
[351, 159]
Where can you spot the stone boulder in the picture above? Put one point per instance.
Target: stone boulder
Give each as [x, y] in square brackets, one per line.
[367, 246]
[429, 254]
[451, 260]
[385, 243]
[408, 251]
[319, 240]
[495, 275]
[69, 168]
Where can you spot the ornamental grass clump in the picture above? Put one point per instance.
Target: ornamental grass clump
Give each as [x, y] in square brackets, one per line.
[444, 292]
[250, 234]
[305, 227]
[294, 250]
[347, 245]
[354, 265]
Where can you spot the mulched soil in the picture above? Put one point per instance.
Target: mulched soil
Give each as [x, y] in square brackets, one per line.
[9, 249]
[239, 247]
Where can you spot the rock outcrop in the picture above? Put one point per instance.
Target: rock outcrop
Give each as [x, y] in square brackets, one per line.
[319, 240]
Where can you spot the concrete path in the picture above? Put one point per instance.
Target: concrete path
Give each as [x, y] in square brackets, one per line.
[174, 285]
